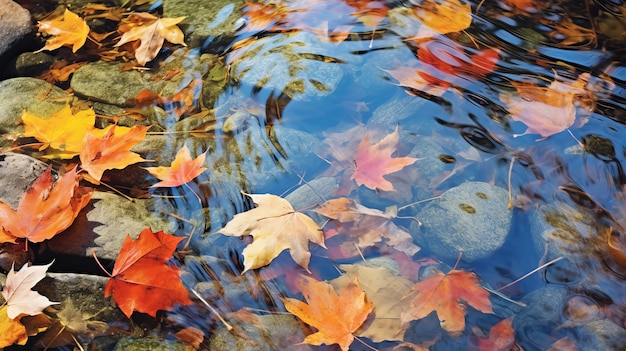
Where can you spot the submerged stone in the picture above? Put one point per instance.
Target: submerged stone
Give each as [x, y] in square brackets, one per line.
[472, 218]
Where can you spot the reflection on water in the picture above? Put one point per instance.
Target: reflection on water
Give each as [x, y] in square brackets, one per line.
[525, 95]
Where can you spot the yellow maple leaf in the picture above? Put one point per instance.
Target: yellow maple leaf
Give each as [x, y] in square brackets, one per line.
[152, 31]
[275, 226]
[11, 330]
[69, 30]
[63, 133]
[444, 17]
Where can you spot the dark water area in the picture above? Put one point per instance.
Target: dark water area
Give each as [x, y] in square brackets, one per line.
[526, 99]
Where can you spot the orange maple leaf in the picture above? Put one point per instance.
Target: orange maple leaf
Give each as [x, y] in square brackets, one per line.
[373, 161]
[70, 30]
[111, 151]
[368, 12]
[335, 316]
[141, 281]
[47, 208]
[442, 17]
[152, 32]
[182, 171]
[448, 294]
[501, 337]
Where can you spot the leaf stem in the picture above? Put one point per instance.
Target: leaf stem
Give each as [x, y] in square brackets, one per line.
[93, 252]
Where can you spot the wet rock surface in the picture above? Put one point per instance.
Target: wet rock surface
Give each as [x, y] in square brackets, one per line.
[471, 218]
[15, 25]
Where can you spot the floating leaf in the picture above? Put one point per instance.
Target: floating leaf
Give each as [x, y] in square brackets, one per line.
[335, 316]
[275, 226]
[69, 30]
[20, 299]
[182, 170]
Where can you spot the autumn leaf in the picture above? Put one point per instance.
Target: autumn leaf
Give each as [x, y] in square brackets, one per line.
[47, 208]
[501, 337]
[335, 316]
[368, 12]
[141, 281]
[367, 226]
[386, 291]
[152, 32]
[448, 295]
[182, 170]
[20, 299]
[373, 161]
[275, 226]
[442, 17]
[263, 16]
[413, 79]
[111, 151]
[17, 331]
[70, 30]
[547, 110]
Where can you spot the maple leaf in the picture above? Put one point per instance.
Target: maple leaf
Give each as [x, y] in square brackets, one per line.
[368, 226]
[386, 291]
[442, 17]
[182, 171]
[70, 30]
[373, 161]
[275, 226]
[11, 330]
[547, 110]
[47, 208]
[17, 292]
[111, 151]
[152, 32]
[335, 316]
[448, 294]
[368, 12]
[263, 16]
[63, 131]
[501, 337]
[413, 79]
[141, 281]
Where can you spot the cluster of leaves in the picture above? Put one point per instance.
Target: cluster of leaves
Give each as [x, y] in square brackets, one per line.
[142, 34]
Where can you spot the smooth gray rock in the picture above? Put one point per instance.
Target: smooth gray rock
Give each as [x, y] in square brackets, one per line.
[134, 343]
[15, 25]
[30, 64]
[31, 94]
[472, 218]
[17, 174]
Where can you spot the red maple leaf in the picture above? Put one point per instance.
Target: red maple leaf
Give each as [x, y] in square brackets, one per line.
[182, 170]
[141, 281]
[47, 208]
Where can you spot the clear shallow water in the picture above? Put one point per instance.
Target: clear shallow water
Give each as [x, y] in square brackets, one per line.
[280, 126]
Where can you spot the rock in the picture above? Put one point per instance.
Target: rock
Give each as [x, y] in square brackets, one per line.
[34, 95]
[313, 192]
[205, 19]
[30, 64]
[134, 343]
[282, 63]
[268, 333]
[472, 218]
[106, 82]
[107, 220]
[15, 25]
[601, 335]
[17, 174]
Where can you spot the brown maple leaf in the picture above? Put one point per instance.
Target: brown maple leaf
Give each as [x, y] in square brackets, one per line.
[275, 226]
[70, 30]
[335, 316]
[111, 151]
[152, 32]
[448, 295]
[367, 226]
[47, 208]
[141, 281]
[182, 170]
